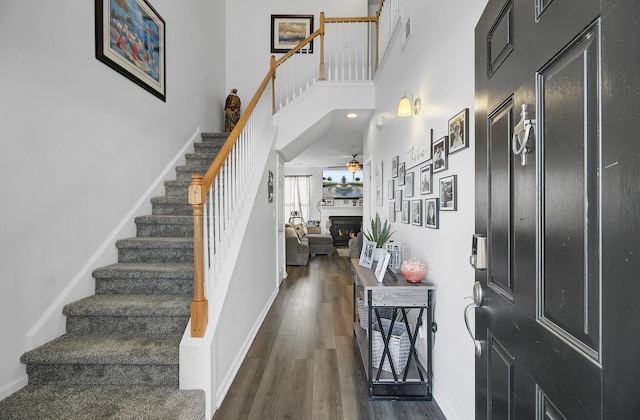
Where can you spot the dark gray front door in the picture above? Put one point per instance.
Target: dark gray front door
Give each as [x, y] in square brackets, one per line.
[558, 325]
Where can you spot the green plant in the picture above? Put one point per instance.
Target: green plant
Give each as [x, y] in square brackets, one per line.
[379, 233]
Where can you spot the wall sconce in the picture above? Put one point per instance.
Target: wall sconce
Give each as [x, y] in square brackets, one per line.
[407, 106]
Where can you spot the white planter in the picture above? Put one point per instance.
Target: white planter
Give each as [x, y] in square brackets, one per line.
[377, 253]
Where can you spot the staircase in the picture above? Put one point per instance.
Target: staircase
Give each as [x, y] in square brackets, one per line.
[119, 357]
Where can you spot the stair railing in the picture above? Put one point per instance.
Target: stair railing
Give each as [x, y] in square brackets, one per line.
[351, 54]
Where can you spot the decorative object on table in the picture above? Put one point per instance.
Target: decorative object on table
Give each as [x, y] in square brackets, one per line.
[413, 270]
[231, 111]
[440, 154]
[379, 232]
[431, 214]
[408, 185]
[366, 255]
[401, 173]
[399, 252]
[391, 190]
[448, 193]
[287, 31]
[132, 42]
[392, 211]
[399, 345]
[394, 166]
[416, 212]
[459, 131]
[406, 209]
[381, 268]
[426, 179]
[270, 187]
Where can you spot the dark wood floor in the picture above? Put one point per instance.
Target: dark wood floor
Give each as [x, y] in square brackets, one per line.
[302, 364]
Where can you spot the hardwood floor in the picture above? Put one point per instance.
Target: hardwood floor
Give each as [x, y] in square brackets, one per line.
[303, 365]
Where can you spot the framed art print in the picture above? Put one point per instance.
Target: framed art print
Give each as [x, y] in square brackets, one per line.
[408, 185]
[426, 179]
[401, 174]
[416, 212]
[459, 131]
[287, 31]
[130, 38]
[448, 193]
[431, 219]
[440, 154]
[394, 167]
[366, 254]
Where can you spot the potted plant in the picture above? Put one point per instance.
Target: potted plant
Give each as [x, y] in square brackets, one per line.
[379, 233]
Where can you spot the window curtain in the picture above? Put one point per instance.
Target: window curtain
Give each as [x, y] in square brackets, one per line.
[296, 197]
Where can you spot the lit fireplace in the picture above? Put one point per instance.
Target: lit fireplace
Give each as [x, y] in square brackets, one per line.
[342, 227]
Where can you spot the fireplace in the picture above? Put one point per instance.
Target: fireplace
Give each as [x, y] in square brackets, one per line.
[342, 227]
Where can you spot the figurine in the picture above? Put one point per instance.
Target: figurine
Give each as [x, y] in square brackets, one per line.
[231, 111]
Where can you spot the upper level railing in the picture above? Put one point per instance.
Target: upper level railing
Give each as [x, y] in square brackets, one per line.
[349, 51]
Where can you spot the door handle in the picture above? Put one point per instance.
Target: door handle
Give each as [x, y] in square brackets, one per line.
[477, 302]
[521, 134]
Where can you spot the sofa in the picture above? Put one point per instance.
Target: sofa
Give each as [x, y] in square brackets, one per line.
[299, 241]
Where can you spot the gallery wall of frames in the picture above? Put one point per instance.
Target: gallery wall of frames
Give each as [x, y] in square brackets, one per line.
[422, 185]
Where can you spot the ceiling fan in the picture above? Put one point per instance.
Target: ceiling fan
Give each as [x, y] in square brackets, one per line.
[352, 165]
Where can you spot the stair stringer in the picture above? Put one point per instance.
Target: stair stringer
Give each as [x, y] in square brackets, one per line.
[198, 355]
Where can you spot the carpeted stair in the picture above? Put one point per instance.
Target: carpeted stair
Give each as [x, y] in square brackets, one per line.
[119, 356]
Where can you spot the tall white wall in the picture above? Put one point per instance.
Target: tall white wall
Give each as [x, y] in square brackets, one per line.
[80, 144]
[437, 65]
[249, 35]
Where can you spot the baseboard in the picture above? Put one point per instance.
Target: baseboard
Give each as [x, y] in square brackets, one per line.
[52, 323]
[13, 386]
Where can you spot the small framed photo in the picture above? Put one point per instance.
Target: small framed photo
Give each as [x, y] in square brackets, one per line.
[440, 154]
[392, 211]
[381, 268]
[448, 193]
[401, 173]
[287, 31]
[360, 201]
[366, 255]
[426, 179]
[459, 131]
[391, 190]
[328, 201]
[408, 185]
[398, 200]
[416, 212]
[394, 167]
[406, 209]
[431, 219]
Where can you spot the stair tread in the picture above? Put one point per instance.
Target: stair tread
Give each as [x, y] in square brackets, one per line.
[145, 270]
[106, 349]
[129, 305]
[165, 219]
[103, 401]
[169, 200]
[154, 242]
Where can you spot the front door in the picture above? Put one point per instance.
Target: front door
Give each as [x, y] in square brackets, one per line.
[557, 197]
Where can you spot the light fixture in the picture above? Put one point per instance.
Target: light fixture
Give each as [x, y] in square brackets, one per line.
[353, 165]
[352, 115]
[407, 106]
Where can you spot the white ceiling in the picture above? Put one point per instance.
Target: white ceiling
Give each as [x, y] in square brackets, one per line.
[332, 140]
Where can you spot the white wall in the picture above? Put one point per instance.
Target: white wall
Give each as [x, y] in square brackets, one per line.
[249, 42]
[437, 64]
[80, 144]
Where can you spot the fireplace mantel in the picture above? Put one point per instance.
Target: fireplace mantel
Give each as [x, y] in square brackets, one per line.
[328, 211]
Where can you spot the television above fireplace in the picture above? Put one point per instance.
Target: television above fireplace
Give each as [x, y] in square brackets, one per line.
[340, 183]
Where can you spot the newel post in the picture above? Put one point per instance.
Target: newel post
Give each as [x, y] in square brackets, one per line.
[199, 305]
[322, 74]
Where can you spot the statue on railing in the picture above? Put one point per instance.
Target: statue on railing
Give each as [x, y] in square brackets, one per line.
[231, 111]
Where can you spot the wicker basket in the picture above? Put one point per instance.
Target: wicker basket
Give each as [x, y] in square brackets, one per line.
[363, 313]
[398, 346]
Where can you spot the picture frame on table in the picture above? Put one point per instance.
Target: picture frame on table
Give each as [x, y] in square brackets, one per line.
[394, 166]
[366, 254]
[381, 268]
[440, 154]
[328, 201]
[448, 193]
[406, 210]
[287, 31]
[408, 185]
[431, 213]
[426, 179]
[401, 174]
[416, 212]
[459, 131]
[138, 54]
[391, 190]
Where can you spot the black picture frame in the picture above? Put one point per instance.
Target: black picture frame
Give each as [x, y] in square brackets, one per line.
[394, 166]
[426, 179]
[449, 193]
[139, 54]
[459, 131]
[287, 31]
[398, 200]
[431, 213]
[406, 212]
[391, 190]
[408, 184]
[416, 212]
[401, 173]
[392, 211]
[440, 154]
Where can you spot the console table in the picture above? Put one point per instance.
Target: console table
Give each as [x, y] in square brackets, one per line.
[414, 381]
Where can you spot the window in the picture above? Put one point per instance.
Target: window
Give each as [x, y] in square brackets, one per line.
[296, 196]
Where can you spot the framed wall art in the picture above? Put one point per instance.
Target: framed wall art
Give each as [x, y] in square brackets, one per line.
[391, 190]
[287, 31]
[394, 167]
[448, 193]
[459, 131]
[406, 209]
[416, 212]
[431, 219]
[426, 179]
[398, 200]
[131, 40]
[401, 173]
[408, 185]
[440, 154]
[392, 211]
